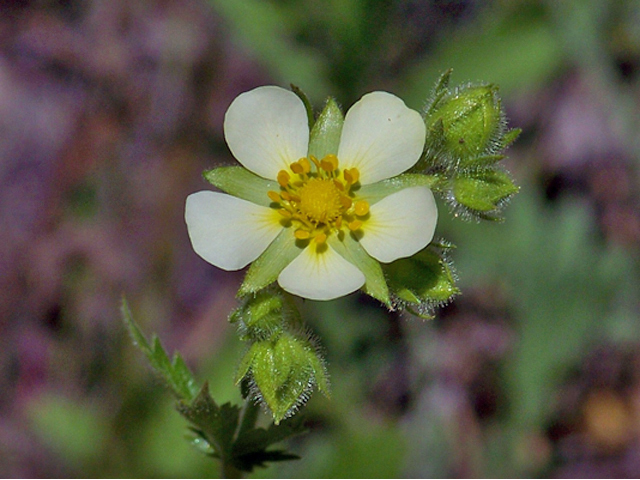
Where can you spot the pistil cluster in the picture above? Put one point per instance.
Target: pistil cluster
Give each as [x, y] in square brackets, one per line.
[317, 198]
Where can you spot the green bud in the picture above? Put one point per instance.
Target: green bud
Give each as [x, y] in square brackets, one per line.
[263, 315]
[423, 280]
[283, 372]
[466, 125]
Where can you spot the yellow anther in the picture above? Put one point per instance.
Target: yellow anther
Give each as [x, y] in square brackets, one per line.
[284, 213]
[333, 160]
[361, 208]
[326, 165]
[338, 222]
[285, 196]
[305, 164]
[321, 238]
[339, 185]
[302, 234]
[296, 167]
[355, 225]
[283, 178]
[346, 202]
[274, 196]
[351, 175]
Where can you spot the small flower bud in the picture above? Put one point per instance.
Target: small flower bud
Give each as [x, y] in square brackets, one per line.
[468, 122]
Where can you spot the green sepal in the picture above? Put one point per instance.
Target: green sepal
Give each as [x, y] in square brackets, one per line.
[325, 135]
[375, 192]
[439, 91]
[423, 280]
[241, 183]
[510, 137]
[283, 370]
[266, 268]
[483, 191]
[174, 372]
[350, 249]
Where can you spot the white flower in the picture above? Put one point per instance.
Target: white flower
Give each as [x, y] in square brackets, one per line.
[316, 201]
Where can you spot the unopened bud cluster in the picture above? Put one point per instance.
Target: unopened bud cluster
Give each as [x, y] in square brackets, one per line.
[466, 135]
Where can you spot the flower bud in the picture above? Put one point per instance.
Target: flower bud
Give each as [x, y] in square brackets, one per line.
[467, 124]
[283, 372]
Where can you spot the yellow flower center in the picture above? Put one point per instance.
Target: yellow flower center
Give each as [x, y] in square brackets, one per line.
[317, 198]
[320, 201]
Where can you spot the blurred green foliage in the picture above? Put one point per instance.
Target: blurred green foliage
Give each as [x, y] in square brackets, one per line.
[564, 287]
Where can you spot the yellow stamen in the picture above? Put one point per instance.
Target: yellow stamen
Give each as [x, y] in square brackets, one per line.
[352, 175]
[296, 167]
[346, 202]
[361, 208]
[355, 225]
[330, 162]
[284, 213]
[306, 166]
[321, 238]
[283, 178]
[274, 196]
[302, 234]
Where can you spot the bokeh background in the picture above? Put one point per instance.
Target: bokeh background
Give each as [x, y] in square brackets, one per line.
[111, 109]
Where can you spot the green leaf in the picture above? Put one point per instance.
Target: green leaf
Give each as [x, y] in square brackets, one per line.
[266, 268]
[324, 138]
[241, 183]
[483, 191]
[425, 279]
[176, 373]
[250, 449]
[375, 283]
[375, 192]
[217, 425]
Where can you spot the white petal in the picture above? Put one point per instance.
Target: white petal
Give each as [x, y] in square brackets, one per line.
[400, 225]
[381, 137]
[321, 275]
[229, 232]
[267, 130]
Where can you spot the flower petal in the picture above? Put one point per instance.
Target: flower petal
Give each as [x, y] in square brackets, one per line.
[320, 274]
[381, 137]
[229, 232]
[400, 225]
[267, 130]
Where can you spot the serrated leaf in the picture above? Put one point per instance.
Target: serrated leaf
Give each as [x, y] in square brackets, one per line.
[324, 138]
[375, 192]
[176, 374]
[424, 278]
[250, 448]
[483, 191]
[216, 424]
[266, 268]
[375, 283]
[241, 183]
